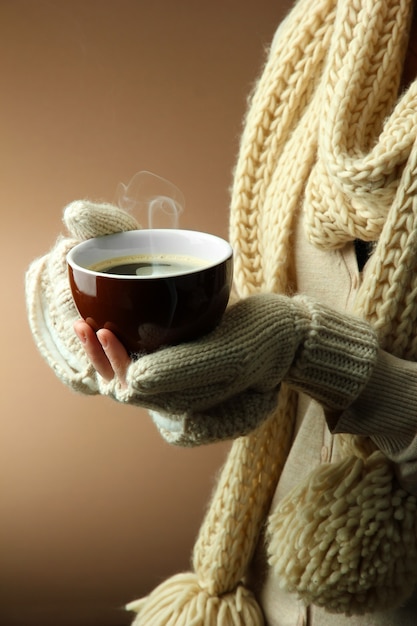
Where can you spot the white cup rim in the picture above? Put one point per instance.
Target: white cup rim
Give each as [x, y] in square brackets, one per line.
[211, 249]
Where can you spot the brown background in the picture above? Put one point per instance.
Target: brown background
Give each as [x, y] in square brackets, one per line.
[95, 508]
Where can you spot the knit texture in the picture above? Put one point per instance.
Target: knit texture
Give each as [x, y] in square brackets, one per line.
[50, 306]
[325, 128]
[336, 357]
[391, 385]
[226, 383]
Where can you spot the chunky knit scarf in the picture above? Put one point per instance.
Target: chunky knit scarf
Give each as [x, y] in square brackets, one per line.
[328, 128]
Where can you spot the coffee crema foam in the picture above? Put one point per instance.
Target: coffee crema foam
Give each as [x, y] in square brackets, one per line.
[149, 265]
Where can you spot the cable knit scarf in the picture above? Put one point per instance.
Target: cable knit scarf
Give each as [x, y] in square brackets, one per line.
[327, 128]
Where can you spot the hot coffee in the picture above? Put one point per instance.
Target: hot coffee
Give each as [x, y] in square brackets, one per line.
[152, 288]
[149, 265]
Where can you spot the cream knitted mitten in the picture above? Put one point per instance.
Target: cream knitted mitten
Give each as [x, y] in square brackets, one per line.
[51, 311]
[226, 383]
[222, 385]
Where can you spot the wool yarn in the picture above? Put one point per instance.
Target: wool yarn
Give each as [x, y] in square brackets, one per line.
[50, 306]
[214, 595]
[327, 128]
[346, 541]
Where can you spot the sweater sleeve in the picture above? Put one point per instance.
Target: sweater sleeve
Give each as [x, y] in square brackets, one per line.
[386, 411]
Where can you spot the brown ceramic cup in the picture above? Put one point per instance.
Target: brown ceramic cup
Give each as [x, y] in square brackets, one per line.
[152, 287]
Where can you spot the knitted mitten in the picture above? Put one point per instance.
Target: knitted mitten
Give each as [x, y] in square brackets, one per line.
[51, 311]
[226, 383]
[222, 385]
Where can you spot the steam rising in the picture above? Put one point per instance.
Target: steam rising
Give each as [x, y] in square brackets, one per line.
[153, 199]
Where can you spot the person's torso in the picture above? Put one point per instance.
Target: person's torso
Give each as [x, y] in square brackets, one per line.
[333, 278]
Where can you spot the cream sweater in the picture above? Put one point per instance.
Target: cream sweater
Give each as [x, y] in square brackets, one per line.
[328, 155]
[307, 522]
[333, 278]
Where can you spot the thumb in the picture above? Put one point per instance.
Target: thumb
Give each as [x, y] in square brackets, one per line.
[85, 219]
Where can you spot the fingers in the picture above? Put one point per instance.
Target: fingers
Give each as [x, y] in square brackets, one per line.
[104, 350]
[115, 353]
[94, 349]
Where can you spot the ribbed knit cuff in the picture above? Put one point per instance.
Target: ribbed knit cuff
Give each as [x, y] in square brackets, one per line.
[386, 410]
[336, 358]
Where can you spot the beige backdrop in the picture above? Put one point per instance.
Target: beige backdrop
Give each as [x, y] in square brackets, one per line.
[95, 508]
